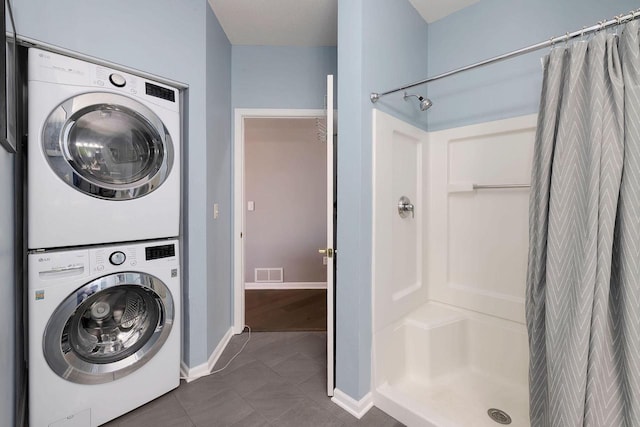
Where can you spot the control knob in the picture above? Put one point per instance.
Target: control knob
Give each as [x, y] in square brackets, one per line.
[117, 80]
[117, 258]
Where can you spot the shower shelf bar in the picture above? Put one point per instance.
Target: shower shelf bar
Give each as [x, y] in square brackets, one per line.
[632, 15]
[465, 188]
[492, 186]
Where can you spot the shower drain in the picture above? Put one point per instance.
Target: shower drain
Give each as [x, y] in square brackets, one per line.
[499, 416]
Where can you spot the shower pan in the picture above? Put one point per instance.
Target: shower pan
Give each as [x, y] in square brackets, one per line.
[450, 217]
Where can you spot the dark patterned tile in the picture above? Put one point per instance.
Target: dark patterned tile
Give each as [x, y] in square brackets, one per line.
[315, 388]
[280, 348]
[298, 367]
[193, 394]
[164, 411]
[250, 377]
[252, 420]
[374, 418]
[314, 345]
[274, 399]
[221, 410]
[307, 414]
[260, 339]
[278, 380]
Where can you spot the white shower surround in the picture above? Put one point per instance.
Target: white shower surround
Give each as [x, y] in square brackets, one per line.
[449, 339]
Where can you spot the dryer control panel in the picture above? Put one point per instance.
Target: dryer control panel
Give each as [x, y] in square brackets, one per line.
[53, 68]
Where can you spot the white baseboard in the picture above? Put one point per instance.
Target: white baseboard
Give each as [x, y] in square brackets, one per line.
[357, 408]
[250, 286]
[192, 374]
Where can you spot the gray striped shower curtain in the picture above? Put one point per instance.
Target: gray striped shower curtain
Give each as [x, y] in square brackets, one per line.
[583, 280]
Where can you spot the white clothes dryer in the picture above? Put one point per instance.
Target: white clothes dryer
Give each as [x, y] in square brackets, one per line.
[104, 331]
[103, 155]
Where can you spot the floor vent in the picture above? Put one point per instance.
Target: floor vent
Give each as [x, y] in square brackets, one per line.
[269, 275]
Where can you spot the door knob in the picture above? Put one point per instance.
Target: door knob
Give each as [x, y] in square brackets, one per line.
[328, 252]
[404, 207]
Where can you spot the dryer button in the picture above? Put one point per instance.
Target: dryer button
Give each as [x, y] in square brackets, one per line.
[117, 258]
[117, 80]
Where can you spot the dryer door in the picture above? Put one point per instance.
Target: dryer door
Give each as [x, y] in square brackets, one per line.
[108, 328]
[108, 146]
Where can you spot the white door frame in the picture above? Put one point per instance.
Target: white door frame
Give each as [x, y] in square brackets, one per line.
[238, 197]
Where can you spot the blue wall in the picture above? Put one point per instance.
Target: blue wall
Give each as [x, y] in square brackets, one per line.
[7, 286]
[166, 38]
[281, 76]
[381, 44]
[490, 28]
[219, 179]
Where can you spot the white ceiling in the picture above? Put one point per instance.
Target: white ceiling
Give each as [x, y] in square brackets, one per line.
[301, 22]
[279, 22]
[432, 10]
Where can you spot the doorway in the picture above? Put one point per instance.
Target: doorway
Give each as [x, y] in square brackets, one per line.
[240, 213]
[285, 187]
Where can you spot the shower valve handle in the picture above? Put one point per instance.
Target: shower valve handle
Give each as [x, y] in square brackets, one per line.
[405, 207]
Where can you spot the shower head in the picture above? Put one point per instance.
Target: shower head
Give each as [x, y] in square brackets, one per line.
[425, 103]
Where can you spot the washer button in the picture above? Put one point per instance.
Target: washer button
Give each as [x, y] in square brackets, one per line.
[117, 80]
[117, 258]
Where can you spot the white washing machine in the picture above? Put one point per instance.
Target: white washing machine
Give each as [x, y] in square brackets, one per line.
[103, 155]
[104, 331]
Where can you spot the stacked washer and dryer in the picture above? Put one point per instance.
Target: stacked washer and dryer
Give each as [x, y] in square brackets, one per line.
[103, 220]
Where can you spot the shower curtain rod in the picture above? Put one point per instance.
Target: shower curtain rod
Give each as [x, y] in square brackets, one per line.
[602, 25]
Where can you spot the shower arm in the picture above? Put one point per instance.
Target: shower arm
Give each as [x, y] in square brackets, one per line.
[631, 16]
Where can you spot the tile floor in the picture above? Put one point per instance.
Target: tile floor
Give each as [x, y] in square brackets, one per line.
[278, 380]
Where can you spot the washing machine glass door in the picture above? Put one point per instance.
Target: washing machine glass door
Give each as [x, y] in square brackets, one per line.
[108, 328]
[108, 146]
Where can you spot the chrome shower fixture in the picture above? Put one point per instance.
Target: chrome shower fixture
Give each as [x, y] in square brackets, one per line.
[425, 103]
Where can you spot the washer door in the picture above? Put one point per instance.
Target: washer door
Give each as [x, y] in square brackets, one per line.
[108, 328]
[108, 146]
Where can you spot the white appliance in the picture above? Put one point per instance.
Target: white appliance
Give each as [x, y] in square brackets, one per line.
[103, 155]
[104, 331]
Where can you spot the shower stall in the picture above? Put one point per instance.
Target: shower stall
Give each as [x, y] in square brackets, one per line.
[450, 241]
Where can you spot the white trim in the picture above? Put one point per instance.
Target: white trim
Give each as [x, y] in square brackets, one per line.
[330, 260]
[357, 408]
[238, 196]
[192, 374]
[285, 285]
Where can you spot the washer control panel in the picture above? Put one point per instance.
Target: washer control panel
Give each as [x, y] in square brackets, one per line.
[108, 259]
[161, 251]
[104, 260]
